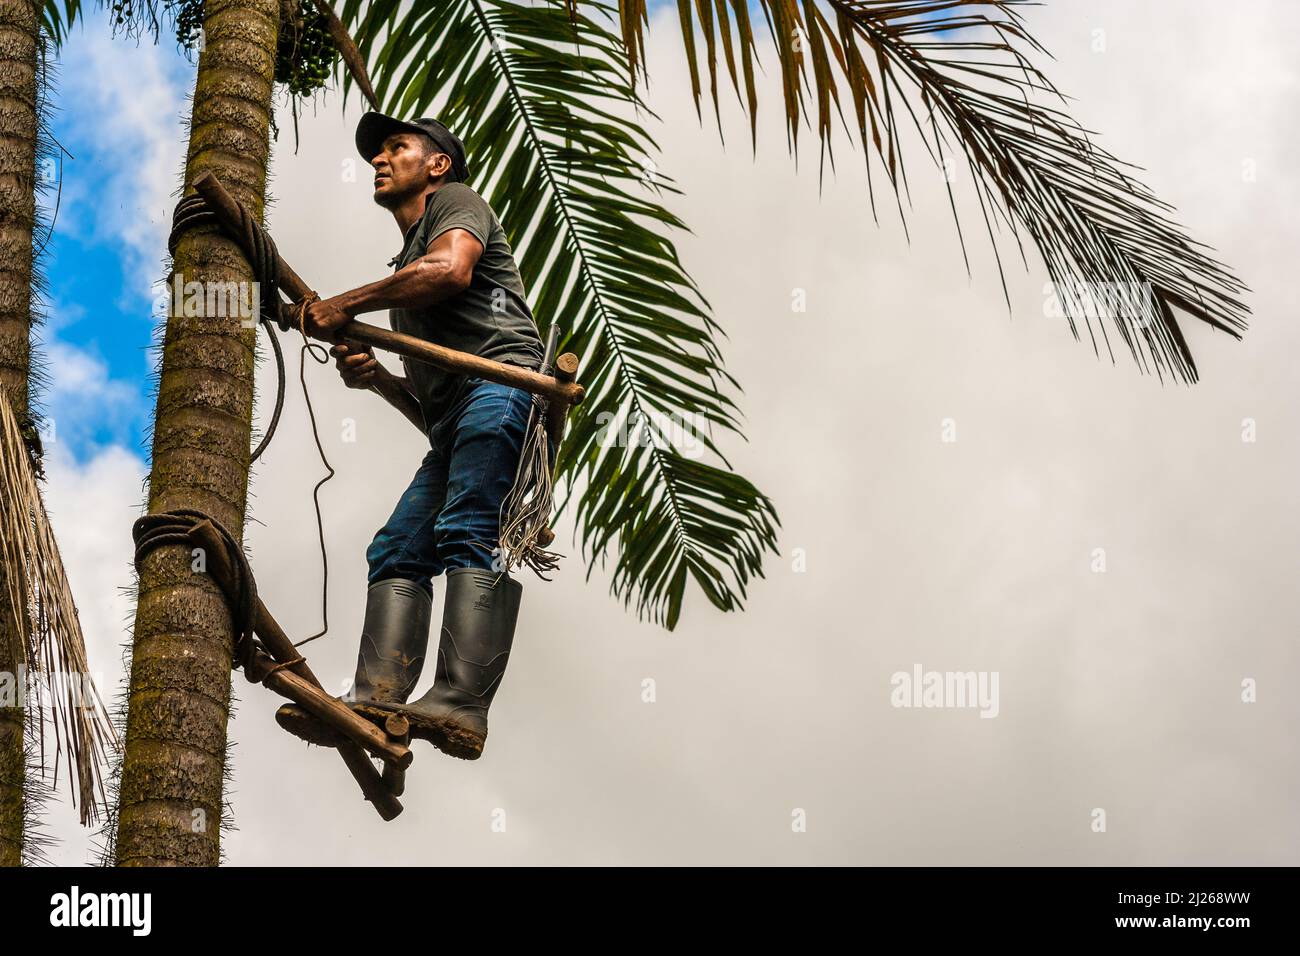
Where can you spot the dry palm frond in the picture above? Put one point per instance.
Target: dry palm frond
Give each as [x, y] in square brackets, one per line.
[959, 72]
[38, 840]
[45, 615]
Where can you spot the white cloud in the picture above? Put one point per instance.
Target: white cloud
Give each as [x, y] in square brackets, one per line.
[1118, 690]
[60, 315]
[83, 400]
[128, 100]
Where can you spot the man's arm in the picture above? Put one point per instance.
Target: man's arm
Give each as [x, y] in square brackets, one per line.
[445, 270]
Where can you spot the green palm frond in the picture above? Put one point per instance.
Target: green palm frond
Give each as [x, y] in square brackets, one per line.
[57, 17]
[131, 18]
[541, 99]
[959, 73]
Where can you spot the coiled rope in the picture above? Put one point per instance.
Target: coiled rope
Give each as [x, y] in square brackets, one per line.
[193, 211]
[173, 527]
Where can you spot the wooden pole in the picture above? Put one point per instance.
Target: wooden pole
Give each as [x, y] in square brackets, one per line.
[227, 210]
[566, 370]
[463, 363]
[278, 643]
[399, 728]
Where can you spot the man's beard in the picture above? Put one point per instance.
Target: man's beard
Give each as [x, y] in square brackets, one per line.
[393, 198]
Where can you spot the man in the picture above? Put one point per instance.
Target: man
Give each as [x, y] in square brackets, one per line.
[456, 284]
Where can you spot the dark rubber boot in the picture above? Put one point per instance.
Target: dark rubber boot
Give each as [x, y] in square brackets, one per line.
[394, 640]
[478, 627]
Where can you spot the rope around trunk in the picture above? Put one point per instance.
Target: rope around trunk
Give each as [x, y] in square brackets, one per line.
[173, 527]
[193, 211]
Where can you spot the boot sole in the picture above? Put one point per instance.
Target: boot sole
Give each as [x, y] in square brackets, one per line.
[448, 736]
[304, 726]
[451, 738]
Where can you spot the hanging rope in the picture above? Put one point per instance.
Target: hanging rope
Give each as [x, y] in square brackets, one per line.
[260, 250]
[526, 509]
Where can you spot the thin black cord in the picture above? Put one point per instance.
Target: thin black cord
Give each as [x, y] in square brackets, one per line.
[321, 356]
[279, 393]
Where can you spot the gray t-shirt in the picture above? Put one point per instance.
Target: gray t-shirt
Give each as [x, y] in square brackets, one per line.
[490, 318]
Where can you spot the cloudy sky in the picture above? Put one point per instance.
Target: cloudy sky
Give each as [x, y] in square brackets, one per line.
[1119, 690]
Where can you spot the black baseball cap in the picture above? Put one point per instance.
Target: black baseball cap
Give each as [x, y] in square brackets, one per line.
[374, 128]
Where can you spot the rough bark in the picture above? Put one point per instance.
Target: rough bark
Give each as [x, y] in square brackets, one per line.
[170, 798]
[19, 36]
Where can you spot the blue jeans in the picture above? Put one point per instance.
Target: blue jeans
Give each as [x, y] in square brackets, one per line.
[449, 517]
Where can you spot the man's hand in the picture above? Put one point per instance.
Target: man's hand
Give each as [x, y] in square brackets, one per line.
[327, 316]
[360, 369]
[356, 364]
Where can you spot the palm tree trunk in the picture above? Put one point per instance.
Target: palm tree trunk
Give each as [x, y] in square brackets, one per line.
[19, 37]
[170, 794]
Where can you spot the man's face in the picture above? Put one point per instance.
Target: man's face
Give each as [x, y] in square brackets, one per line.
[405, 166]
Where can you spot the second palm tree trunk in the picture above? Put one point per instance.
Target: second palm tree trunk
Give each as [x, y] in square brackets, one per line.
[19, 38]
[170, 793]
